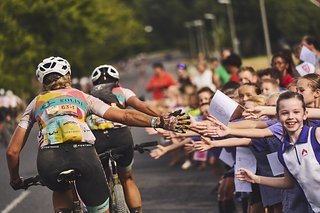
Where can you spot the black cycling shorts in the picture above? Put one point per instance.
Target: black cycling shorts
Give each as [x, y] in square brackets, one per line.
[91, 186]
[114, 138]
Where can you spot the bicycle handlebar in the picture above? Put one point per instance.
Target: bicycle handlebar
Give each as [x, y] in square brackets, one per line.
[32, 181]
[141, 148]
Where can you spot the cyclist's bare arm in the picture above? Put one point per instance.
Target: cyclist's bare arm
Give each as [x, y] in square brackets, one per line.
[129, 117]
[143, 106]
[17, 142]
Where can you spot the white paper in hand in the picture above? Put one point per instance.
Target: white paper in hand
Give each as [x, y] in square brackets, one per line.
[275, 165]
[305, 68]
[244, 159]
[307, 55]
[222, 107]
[226, 157]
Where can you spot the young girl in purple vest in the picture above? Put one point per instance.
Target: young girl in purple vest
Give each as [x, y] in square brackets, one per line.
[299, 154]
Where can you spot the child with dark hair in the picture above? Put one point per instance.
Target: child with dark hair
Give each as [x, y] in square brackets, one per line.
[233, 63]
[282, 64]
[299, 153]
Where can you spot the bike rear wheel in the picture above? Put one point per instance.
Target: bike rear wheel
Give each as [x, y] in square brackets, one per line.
[120, 202]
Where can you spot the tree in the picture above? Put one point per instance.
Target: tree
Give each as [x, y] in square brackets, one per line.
[86, 33]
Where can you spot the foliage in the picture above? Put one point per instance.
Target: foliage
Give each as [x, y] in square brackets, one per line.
[92, 32]
[85, 32]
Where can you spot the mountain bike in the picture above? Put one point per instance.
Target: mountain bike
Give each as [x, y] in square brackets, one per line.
[118, 203]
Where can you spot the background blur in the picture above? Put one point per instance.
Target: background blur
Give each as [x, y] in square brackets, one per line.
[92, 32]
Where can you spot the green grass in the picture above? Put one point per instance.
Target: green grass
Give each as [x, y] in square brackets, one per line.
[258, 62]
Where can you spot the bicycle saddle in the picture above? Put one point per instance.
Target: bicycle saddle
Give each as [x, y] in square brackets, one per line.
[68, 175]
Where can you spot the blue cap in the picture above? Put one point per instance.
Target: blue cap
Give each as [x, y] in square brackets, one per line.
[182, 66]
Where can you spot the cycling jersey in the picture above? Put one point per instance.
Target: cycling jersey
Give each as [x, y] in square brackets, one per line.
[122, 95]
[111, 134]
[61, 115]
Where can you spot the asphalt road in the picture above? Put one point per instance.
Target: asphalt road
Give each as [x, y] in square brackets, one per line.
[163, 188]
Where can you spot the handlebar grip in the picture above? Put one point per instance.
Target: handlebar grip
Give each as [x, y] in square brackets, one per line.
[31, 181]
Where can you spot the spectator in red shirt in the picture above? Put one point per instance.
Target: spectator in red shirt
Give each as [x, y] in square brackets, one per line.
[232, 64]
[160, 81]
[281, 63]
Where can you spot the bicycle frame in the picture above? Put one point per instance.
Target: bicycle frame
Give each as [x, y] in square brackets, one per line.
[118, 203]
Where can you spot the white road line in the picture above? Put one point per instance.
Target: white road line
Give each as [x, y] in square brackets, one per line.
[15, 202]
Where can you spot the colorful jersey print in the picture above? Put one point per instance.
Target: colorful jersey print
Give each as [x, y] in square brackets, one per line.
[61, 115]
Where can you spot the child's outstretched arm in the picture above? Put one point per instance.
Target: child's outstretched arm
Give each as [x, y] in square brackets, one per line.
[270, 110]
[162, 150]
[245, 124]
[206, 143]
[313, 113]
[277, 182]
[221, 130]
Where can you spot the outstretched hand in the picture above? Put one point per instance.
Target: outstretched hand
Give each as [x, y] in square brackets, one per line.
[176, 121]
[150, 131]
[217, 129]
[198, 126]
[189, 147]
[203, 145]
[246, 175]
[158, 152]
[253, 113]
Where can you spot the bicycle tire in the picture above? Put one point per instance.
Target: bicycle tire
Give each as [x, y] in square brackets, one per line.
[121, 205]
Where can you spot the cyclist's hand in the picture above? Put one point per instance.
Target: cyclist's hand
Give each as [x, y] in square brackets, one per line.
[176, 121]
[17, 184]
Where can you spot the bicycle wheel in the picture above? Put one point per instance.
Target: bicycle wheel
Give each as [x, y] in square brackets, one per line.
[120, 201]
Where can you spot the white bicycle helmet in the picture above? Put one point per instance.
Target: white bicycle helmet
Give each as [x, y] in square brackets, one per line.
[52, 65]
[102, 72]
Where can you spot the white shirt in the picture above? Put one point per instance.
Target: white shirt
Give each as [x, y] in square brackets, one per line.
[204, 80]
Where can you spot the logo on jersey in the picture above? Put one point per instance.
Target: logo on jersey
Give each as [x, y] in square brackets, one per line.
[304, 152]
[47, 104]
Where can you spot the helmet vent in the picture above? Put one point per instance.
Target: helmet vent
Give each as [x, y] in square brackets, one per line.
[47, 65]
[53, 65]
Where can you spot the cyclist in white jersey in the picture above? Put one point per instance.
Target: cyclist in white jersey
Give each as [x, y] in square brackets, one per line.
[65, 140]
[105, 79]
